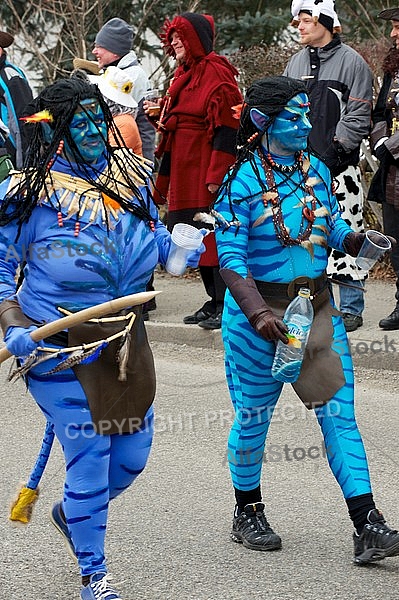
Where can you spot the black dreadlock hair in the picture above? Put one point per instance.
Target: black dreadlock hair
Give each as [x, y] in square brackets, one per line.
[270, 96]
[62, 99]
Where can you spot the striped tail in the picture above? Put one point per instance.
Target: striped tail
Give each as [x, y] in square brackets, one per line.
[22, 507]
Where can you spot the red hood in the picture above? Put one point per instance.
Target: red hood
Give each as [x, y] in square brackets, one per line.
[197, 33]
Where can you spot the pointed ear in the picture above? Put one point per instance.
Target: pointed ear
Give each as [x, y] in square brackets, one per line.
[259, 119]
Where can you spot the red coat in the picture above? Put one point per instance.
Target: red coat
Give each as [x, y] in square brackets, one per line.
[198, 131]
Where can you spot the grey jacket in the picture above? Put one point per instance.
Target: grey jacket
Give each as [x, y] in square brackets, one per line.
[341, 94]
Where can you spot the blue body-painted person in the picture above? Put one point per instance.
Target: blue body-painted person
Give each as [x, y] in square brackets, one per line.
[82, 221]
[276, 215]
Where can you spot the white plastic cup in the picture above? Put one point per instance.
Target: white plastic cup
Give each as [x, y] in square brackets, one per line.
[374, 246]
[185, 239]
[152, 95]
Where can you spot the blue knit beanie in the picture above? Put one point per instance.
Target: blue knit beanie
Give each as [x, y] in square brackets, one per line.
[116, 36]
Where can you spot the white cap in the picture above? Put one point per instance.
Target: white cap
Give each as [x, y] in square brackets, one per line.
[316, 8]
[115, 85]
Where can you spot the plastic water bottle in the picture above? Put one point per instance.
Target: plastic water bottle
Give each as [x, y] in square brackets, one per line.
[288, 358]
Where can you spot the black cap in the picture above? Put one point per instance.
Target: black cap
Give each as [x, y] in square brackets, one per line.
[390, 14]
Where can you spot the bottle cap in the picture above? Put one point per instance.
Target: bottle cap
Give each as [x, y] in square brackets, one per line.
[304, 292]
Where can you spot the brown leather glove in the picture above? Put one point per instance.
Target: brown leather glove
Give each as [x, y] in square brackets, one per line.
[353, 242]
[258, 313]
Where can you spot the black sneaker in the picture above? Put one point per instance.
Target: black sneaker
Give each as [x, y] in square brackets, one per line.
[352, 322]
[200, 315]
[213, 322]
[252, 530]
[377, 540]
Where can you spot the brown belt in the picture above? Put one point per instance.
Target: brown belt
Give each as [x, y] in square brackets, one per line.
[291, 289]
[321, 374]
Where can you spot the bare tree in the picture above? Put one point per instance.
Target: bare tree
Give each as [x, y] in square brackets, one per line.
[50, 33]
[359, 19]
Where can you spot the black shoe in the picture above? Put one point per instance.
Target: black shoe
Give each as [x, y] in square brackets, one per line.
[252, 530]
[377, 540]
[200, 315]
[352, 322]
[146, 316]
[213, 322]
[390, 322]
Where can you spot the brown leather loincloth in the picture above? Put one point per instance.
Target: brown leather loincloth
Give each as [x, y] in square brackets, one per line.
[321, 373]
[116, 406]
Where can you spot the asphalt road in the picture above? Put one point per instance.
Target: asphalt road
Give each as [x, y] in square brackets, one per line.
[168, 535]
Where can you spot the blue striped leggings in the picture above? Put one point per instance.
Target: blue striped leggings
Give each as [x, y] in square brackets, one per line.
[98, 467]
[254, 393]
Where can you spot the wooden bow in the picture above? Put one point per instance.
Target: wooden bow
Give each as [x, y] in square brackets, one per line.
[93, 312]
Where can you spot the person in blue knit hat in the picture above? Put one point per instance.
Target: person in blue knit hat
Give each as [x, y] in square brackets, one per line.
[113, 47]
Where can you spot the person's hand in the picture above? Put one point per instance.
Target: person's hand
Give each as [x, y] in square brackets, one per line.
[194, 257]
[18, 340]
[205, 231]
[269, 326]
[213, 188]
[262, 318]
[353, 242]
[151, 108]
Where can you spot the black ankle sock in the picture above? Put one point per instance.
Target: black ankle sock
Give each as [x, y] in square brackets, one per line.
[244, 497]
[85, 580]
[358, 508]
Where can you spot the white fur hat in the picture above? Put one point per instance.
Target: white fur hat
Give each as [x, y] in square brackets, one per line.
[316, 8]
[115, 85]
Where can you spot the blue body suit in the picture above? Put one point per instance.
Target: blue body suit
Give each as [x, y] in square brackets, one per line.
[77, 272]
[251, 244]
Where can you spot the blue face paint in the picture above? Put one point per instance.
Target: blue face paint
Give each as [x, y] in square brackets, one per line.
[88, 130]
[290, 130]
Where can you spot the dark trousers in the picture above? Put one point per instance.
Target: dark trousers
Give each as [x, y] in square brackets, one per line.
[391, 227]
[215, 288]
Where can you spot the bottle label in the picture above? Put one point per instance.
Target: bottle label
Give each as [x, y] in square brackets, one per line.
[296, 335]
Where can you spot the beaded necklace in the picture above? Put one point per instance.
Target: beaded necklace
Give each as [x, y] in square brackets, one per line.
[285, 169]
[77, 197]
[272, 198]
